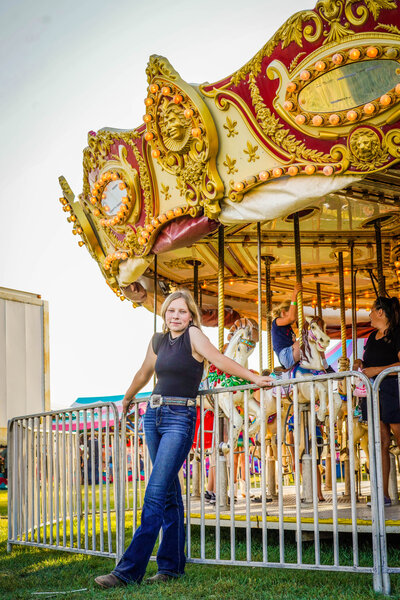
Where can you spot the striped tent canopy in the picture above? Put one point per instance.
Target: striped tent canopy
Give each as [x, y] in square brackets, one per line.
[87, 402]
[84, 402]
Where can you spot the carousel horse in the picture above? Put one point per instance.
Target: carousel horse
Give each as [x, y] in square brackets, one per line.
[314, 342]
[360, 427]
[242, 338]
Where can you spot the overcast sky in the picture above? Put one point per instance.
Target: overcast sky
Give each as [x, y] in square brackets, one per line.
[68, 67]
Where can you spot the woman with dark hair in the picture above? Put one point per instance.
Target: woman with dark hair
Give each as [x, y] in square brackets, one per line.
[177, 357]
[382, 351]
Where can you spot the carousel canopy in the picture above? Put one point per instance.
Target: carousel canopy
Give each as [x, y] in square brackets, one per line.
[306, 134]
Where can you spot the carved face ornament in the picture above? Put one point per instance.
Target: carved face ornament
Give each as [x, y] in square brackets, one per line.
[175, 129]
[364, 144]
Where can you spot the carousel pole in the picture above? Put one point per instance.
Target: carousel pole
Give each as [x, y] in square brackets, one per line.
[379, 263]
[221, 297]
[306, 461]
[260, 356]
[196, 281]
[155, 303]
[155, 293]
[344, 361]
[196, 470]
[353, 303]
[319, 301]
[222, 480]
[353, 274]
[297, 250]
[328, 471]
[268, 293]
[344, 365]
[270, 470]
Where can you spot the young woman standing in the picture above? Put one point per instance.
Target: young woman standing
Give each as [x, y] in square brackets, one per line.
[177, 357]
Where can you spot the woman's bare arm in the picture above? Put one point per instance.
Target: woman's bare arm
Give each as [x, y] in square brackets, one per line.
[142, 377]
[291, 316]
[374, 371]
[202, 345]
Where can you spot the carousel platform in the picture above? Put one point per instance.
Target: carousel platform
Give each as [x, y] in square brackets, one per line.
[325, 513]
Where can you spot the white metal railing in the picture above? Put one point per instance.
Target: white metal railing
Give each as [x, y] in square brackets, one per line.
[386, 569]
[53, 503]
[341, 514]
[57, 496]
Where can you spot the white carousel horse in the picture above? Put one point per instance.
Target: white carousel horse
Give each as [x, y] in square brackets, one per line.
[314, 342]
[360, 428]
[242, 338]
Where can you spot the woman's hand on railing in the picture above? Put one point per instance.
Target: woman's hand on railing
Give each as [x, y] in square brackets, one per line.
[262, 381]
[372, 371]
[126, 403]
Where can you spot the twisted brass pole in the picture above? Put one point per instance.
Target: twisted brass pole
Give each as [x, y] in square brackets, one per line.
[297, 250]
[196, 281]
[353, 303]
[344, 361]
[379, 263]
[268, 293]
[260, 353]
[155, 293]
[319, 301]
[221, 302]
[155, 303]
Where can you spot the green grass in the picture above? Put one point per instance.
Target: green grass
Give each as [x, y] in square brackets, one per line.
[28, 570]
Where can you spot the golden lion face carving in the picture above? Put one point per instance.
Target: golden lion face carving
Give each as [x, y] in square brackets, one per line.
[175, 128]
[364, 144]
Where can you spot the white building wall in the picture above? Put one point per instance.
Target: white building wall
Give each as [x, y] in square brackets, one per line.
[23, 356]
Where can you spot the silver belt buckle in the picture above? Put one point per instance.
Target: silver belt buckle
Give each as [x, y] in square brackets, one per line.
[155, 400]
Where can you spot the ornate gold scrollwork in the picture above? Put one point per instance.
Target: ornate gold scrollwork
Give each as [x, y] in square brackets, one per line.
[98, 160]
[96, 155]
[130, 180]
[392, 141]
[309, 26]
[274, 129]
[291, 31]
[362, 12]
[183, 137]
[183, 263]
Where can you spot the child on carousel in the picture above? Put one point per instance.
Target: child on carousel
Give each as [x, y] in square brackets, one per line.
[284, 342]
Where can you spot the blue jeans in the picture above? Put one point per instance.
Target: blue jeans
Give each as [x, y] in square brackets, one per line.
[169, 436]
[286, 357]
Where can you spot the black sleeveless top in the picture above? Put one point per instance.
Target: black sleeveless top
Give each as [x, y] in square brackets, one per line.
[178, 373]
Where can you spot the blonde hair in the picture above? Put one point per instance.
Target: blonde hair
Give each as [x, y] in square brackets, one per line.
[190, 303]
[276, 312]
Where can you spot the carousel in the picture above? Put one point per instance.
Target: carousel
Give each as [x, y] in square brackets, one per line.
[283, 172]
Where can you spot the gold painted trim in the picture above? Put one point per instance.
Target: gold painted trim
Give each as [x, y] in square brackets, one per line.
[183, 136]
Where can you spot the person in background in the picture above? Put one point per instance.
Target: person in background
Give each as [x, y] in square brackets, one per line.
[284, 342]
[382, 351]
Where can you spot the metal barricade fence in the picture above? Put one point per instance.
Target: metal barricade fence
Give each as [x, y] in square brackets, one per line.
[64, 481]
[393, 477]
[260, 534]
[46, 495]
